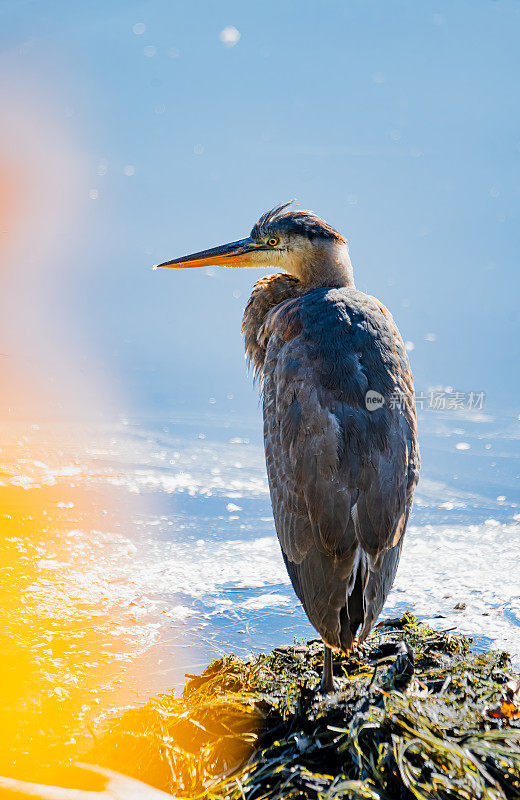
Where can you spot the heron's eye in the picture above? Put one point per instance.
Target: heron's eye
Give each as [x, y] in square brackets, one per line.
[273, 242]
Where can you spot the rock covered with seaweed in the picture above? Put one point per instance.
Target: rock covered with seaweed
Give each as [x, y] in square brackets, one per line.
[416, 715]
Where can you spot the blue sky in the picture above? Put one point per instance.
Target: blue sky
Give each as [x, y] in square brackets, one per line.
[398, 122]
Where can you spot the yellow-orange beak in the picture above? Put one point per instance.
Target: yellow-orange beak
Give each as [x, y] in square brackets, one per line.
[234, 254]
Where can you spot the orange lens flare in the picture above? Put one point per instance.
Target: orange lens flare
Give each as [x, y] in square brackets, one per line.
[72, 621]
[59, 610]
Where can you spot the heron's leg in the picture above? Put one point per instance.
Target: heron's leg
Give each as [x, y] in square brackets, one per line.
[327, 682]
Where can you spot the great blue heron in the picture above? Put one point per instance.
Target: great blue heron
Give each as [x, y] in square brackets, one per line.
[339, 419]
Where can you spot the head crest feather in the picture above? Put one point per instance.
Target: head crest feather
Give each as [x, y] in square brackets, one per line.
[304, 223]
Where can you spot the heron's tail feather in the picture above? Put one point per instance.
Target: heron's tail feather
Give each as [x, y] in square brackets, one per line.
[352, 615]
[332, 594]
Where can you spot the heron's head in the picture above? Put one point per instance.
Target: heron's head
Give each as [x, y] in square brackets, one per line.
[297, 242]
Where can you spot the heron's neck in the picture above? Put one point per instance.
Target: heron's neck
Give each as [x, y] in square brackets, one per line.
[326, 265]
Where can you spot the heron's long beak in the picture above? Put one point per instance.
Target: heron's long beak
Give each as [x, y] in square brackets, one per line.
[234, 254]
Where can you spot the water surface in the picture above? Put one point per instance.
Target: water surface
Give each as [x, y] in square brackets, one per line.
[135, 552]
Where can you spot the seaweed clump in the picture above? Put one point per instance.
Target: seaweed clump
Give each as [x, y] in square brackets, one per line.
[416, 715]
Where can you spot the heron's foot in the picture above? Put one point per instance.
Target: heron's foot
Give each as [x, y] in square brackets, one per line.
[327, 686]
[327, 681]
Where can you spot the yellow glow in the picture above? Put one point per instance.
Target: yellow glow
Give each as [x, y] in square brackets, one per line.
[58, 607]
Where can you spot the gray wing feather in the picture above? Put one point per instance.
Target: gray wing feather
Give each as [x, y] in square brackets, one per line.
[341, 479]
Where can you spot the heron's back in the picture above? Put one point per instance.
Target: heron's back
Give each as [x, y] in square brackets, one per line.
[341, 471]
